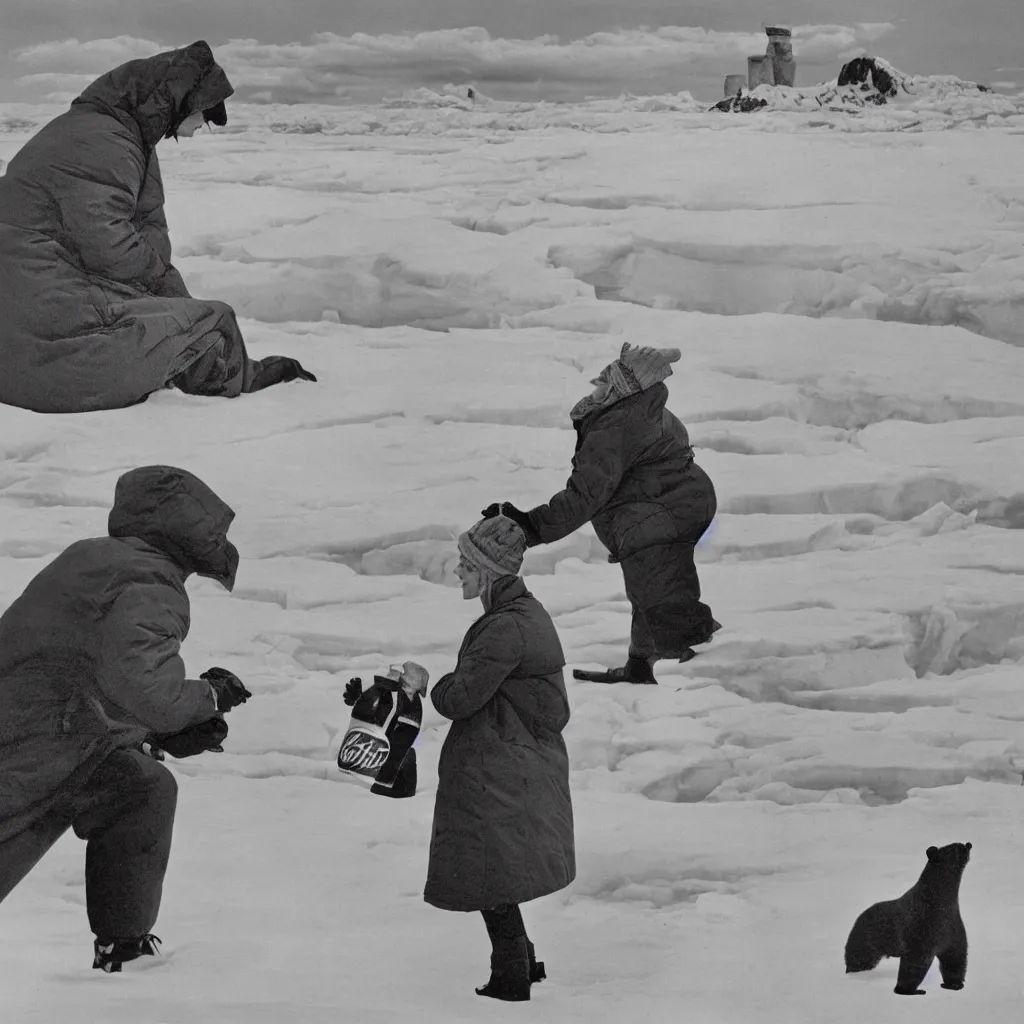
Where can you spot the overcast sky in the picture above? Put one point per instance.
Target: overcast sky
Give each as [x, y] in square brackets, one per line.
[361, 50]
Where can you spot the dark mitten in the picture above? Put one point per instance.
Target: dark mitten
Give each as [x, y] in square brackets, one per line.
[228, 687]
[278, 370]
[353, 691]
[492, 510]
[195, 739]
[522, 520]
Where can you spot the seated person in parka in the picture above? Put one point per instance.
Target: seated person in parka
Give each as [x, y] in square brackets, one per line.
[503, 823]
[89, 671]
[633, 477]
[94, 314]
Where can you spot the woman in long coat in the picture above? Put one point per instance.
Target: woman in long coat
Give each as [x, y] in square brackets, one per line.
[93, 314]
[633, 477]
[503, 825]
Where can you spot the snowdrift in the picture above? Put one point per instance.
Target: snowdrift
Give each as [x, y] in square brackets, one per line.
[850, 315]
[871, 82]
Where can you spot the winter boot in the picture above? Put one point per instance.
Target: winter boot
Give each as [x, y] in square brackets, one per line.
[510, 973]
[636, 670]
[109, 954]
[690, 652]
[537, 972]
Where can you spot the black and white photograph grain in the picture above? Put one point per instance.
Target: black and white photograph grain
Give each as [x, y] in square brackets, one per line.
[511, 501]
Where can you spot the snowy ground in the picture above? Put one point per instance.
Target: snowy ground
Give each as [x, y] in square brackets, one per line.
[454, 277]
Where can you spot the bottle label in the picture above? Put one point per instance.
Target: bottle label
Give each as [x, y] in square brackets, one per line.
[363, 750]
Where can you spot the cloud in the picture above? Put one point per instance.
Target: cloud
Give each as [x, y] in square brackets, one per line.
[56, 80]
[91, 58]
[55, 86]
[329, 64]
[622, 55]
[1004, 85]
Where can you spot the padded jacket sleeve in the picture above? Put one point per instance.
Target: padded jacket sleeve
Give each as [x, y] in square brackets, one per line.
[152, 224]
[98, 210]
[140, 669]
[598, 468]
[490, 657]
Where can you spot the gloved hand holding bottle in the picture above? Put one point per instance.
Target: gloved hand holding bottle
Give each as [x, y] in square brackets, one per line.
[386, 719]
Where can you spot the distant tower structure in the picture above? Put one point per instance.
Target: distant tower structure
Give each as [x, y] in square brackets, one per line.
[759, 71]
[776, 66]
[780, 51]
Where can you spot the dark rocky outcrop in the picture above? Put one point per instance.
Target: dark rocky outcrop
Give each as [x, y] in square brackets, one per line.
[740, 104]
[864, 71]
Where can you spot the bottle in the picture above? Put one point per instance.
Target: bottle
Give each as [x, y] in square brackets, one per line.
[386, 719]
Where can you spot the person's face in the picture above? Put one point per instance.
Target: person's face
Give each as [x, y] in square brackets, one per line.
[470, 578]
[188, 127]
[602, 385]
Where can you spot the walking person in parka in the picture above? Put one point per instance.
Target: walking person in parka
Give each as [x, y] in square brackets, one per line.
[95, 315]
[633, 477]
[89, 672]
[503, 824]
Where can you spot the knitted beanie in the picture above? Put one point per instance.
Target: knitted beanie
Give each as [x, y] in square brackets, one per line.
[648, 365]
[496, 544]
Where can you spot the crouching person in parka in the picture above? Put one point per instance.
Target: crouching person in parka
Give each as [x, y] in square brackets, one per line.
[89, 671]
[94, 313]
[503, 823]
[634, 478]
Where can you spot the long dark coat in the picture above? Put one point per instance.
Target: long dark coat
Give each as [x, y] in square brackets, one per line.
[503, 825]
[89, 659]
[93, 315]
[633, 477]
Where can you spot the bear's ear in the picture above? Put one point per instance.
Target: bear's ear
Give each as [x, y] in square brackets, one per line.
[932, 852]
[967, 847]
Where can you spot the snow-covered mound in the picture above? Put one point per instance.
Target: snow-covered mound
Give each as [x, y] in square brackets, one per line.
[863, 700]
[873, 82]
[463, 97]
[470, 221]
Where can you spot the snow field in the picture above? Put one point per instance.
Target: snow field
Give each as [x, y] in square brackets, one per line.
[454, 282]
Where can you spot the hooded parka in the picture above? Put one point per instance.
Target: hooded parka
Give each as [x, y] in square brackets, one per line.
[503, 823]
[89, 661]
[93, 315]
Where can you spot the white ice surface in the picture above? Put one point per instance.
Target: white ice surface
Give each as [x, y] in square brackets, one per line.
[450, 272]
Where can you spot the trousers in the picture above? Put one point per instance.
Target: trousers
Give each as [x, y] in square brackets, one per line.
[125, 814]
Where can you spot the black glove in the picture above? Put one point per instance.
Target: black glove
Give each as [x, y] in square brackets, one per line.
[228, 687]
[522, 520]
[195, 739]
[353, 691]
[278, 370]
[491, 511]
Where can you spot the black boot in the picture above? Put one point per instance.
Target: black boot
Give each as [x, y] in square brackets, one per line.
[636, 670]
[537, 972]
[109, 954]
[715, 627]
[510, 973]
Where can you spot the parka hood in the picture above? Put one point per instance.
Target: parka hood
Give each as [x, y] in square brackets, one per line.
[157, 93]
[178, 514]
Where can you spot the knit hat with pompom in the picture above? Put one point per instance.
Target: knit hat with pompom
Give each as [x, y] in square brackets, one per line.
[497, 544]
[648, 366]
